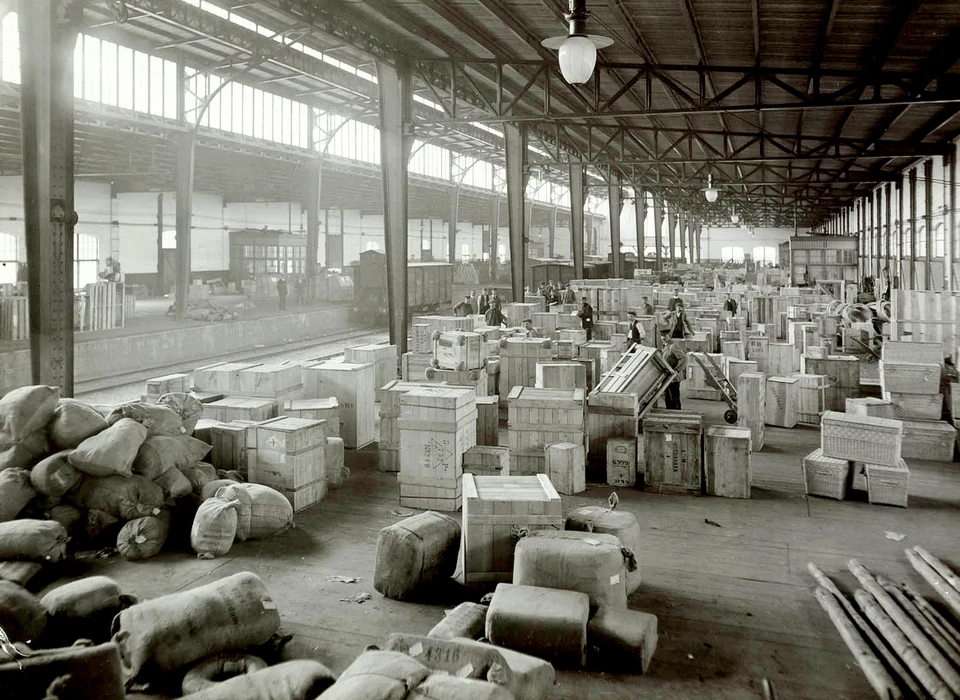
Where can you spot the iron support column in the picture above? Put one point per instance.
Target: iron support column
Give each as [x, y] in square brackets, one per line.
[186, 151]
[576, 220]
[552, 231]
[913, 227]
[314, 188]
[698, 240]
[48, 33]
[454, 216]
[159, 285]
[888, 229]
[515, 141]
[950, 234]
[928, 222]
[671, 233]
[901, 226]
[615, 203]
[396, 107]
[640, 214]
[658, 232]
[494, 234]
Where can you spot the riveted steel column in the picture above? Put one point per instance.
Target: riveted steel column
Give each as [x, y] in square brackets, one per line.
[640, 215]
[928, 222]
[950, 234]
[48, 34]
[658, 232]
[186, 151]
[615, 202]
[682, 234]
[901, 228]
[312, 205]
[697, 235]
[494, 233]
[515, 140]
[576, 219]
[912, 182]
[452, 219]
[888, 230]
[396, 106]
[672, 233]
[552, 231]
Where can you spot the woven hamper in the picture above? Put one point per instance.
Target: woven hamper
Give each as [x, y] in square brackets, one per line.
[825, 476]
[888, 485]
[861, 438]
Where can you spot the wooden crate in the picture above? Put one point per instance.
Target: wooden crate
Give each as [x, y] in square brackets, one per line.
[444, 323]
[515, 313]
[223, 377]
[733, 368]
[437, 425]
[622, 461]
[751, 406]
[841, 370]
[317, 409]
[593, 349]
[924, 353]
[458, 350]
[566, 467]
[782, 359]
[475, 379]
[290, 472]
[383, 357]
[497, 511]
[873, 407]
[289, 436]
[928, 440]
[488, 421]
[234, 408]
[673, 452]
[388, 447]
[546, 322]
[610, 415]
[169, 384]
[422, 339]
[727, 461]
[518, 363]
[484, 460]
[861, 439]
[561, 375]
[909, 377]
[305, 496]
[271, 381]
[413, 366]
[758, 349]
[354, 385]
[733, 349]
[576, 336]
[782, 401]
[541, 417]
[14, 318]
[229, 447]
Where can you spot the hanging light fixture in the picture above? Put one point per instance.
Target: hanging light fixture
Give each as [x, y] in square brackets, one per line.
[734, 218]
[711, 192]
[577, 51]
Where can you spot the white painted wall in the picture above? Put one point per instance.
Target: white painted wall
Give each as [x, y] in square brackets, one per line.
[714, 239]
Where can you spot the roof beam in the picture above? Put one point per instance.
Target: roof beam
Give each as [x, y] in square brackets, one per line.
[755, 12]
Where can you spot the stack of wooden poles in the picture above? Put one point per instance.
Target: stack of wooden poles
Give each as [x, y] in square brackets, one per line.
[905, 647]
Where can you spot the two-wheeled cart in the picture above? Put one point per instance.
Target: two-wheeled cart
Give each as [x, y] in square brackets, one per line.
[716, 379]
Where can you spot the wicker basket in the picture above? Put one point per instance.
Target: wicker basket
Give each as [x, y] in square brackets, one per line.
[825, 476]
[888, 485]
[860, 438]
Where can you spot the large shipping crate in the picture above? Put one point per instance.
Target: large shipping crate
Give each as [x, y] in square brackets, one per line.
[811, 398]
[270, 381]
[223, 377]
[437, 425]
[241, 408]
[782, 401]
[541, 417]
[327, 409]
[458, 350]
[497, 511]
[488, 420]
[355, 386]
[561, 375]
[384, 358]
[519, 358]
[727, 461]
[388, 446]
[751, 406]
[291, 459]
[673, 452]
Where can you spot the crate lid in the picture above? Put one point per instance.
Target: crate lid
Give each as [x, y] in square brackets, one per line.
[525, 395]
[289, 425]
[314, 404]
[867, 421]
[509, 488]
[242, 402]
[784, 380]
[439, 397]
[882, 469]
[340, 365]
[728, 431]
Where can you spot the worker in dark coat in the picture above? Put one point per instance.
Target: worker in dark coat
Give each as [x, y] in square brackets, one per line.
[730, 305]
[464, 308]
[647, 307]
[586, 317]
[483, 301]
[681, 326]
[672, 304]
[677, 360]
[569, 296]
[494, 316]
[635, 332]
[282, 292]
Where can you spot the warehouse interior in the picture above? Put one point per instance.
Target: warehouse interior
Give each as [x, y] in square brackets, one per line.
[618, 335]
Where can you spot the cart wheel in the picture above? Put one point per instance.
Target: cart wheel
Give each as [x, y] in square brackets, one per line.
[730, 415]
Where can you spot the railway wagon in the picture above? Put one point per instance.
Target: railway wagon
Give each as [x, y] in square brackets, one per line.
[429, 286]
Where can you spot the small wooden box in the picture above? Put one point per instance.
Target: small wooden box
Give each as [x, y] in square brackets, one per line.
[269, 381]
[566, 467]
[841, 370]
[758, 350]
[497, 511]
[482, 460]
[561, 375]
[488, 421]
[727, 461]
[782, 401]
[317, 409]
[872, 407]
[458, 350]
[355, 387]
[909, 378]
[673, 452]
[621, 462]
[223, 377]
[169, 384]
[241, 408]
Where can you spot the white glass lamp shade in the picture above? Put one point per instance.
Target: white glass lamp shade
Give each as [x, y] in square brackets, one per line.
[578, 57]
[735, 218]
[711, 194]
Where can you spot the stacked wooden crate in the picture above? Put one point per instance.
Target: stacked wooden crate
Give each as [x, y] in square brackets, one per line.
[843, 378]
[751, 406]
[290, 459]
[437, 425]
[812, 396]
[474, 379]
[518, 363]
[282, 382]
[541, 417]
[561, 375]
[388, 447]
[733, 368]
[222, 378]
[232, 448]
[569, 342]
[697, 387]
[383, 357]
[488, 420]
[758, 349]
[910, 379]
[14, 318]
[232, 408]
[327, 409]
[673, 451]
[782, 401]
[782, 359]
[354, 385]
[872, 407]
[486, 460]
[169, 384]
[726, 461]
[516, 313]
[497, 512]
[444, 323]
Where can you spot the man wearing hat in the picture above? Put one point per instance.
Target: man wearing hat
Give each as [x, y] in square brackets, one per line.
[586, 317]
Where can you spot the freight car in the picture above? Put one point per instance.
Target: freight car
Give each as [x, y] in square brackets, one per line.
[561, 271]
[429, 287]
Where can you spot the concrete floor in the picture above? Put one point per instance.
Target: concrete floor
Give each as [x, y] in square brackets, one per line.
[733, 597]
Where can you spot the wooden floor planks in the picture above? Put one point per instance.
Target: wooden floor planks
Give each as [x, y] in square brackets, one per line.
[733, 598]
